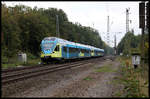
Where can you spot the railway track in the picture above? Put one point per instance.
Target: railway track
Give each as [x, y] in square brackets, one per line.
[22, 73]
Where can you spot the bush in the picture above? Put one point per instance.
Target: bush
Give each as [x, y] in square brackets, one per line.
[4, 59]
[30, 56]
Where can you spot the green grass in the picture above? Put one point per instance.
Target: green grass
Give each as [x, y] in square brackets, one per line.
[30, 62]
[9, 65]
[87, 78]
[133, 84]
[105, 68]
[13, 61]
[118, 94]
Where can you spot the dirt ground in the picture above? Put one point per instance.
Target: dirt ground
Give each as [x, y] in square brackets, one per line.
[92, 80]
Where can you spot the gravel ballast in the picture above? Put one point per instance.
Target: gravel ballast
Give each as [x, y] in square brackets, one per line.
[83, 81]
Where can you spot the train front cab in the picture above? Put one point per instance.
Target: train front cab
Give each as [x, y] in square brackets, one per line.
[54, 56]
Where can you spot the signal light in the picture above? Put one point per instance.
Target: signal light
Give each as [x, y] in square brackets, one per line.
[142, 15]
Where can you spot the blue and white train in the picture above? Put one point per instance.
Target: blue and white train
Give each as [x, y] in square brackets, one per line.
[53, 48]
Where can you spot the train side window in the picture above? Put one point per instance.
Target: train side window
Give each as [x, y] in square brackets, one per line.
[77, 50]
[65, 49]
[82, 51]
[70, 50]
[57, 48]
[87, 51]
[73, 50]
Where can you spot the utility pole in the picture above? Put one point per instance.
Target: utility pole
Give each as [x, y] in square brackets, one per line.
[115, 48]
[57, 26]
[127, 20]
[142, 26]
[115, 43]
[108, 30]
[93, 24]
[8, 47]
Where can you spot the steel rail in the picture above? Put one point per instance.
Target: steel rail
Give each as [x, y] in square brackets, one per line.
[9, 72]
[36, 72]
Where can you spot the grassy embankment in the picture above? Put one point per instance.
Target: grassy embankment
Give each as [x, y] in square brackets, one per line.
[13, 61]
[135, 81]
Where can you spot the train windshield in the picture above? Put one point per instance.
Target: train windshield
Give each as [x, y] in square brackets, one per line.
[49, 39]
[47, 46]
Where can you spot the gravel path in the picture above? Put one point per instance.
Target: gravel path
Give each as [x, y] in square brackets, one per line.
[83, 81]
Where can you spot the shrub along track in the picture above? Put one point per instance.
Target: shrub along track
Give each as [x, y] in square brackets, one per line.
[22, 73]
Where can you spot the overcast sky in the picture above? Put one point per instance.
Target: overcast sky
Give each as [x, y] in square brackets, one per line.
[94, 14]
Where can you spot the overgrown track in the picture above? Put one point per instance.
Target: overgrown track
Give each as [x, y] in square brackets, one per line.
[22, 73]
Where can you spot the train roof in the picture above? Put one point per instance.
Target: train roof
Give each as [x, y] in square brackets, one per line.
[72, 44]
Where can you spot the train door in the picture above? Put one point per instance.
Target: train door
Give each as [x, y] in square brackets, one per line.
[64, 52]
[92, 52]
[81, 53]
